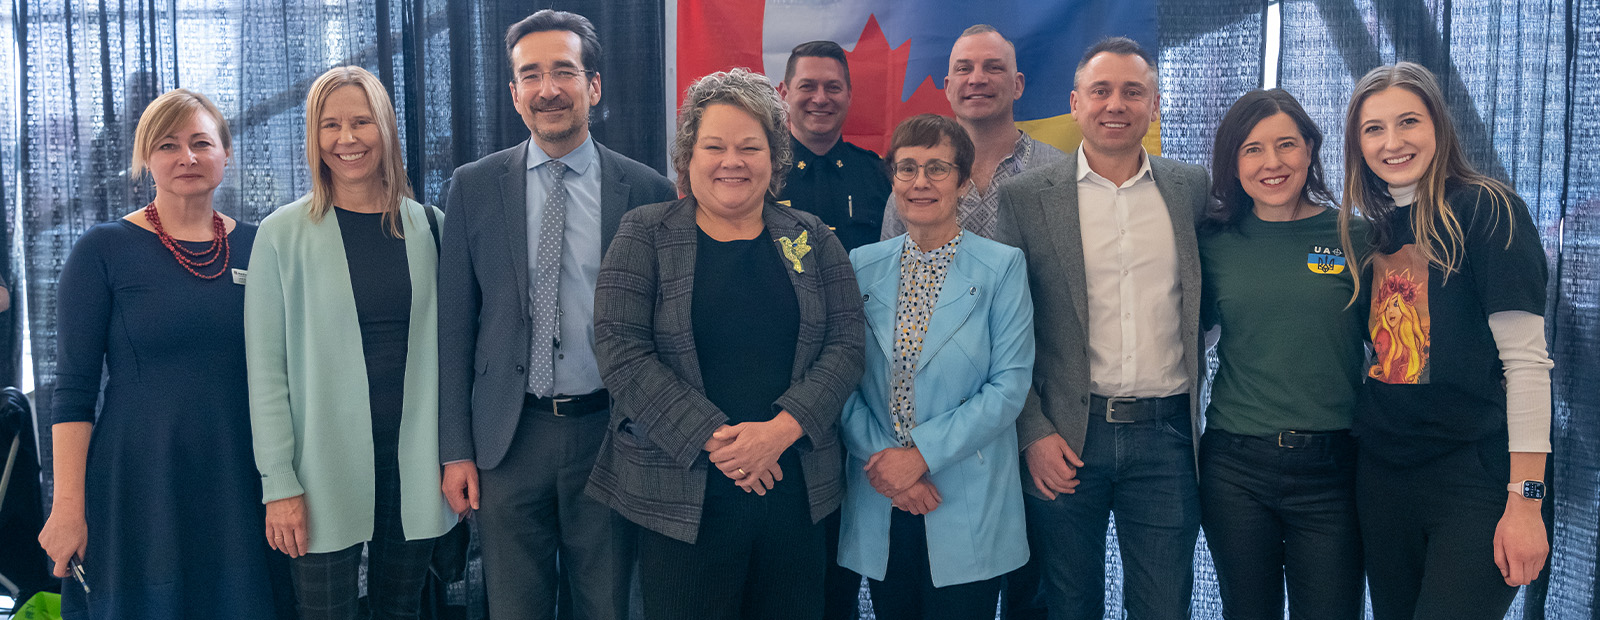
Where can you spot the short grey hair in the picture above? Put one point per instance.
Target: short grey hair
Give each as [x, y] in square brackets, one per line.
[743, 89]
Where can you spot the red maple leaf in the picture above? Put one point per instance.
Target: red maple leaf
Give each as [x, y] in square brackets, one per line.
[717, 35]
[877, 77]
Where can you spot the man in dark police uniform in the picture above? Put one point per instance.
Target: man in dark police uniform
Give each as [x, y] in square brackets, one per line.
[847, 187]
[840, 182]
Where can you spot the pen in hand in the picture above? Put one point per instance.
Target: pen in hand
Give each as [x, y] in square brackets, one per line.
[77, 573]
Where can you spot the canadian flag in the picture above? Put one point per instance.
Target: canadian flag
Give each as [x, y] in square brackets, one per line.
[899, 50]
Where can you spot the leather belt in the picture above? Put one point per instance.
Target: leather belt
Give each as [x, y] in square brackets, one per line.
[1122, 410]
[569, 406]
[1302, 439]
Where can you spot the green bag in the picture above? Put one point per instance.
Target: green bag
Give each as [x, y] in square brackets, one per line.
[42, 606]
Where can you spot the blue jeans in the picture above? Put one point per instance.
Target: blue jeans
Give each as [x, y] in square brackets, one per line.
[1277, 514]
[1144, 473]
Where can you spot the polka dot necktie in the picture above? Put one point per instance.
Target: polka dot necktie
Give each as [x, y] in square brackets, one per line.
[547, 284]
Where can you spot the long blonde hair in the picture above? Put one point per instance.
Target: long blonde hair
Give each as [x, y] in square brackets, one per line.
[392, 170]
[1438, 230]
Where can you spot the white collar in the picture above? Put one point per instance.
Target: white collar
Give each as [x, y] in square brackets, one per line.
[1144, 167]
[1403, 195]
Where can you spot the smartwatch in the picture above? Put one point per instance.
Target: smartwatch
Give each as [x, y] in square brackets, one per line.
[1529, 489]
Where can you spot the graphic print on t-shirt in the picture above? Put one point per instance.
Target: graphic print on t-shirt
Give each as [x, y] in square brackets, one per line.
[1399, 319]
[1325, 259]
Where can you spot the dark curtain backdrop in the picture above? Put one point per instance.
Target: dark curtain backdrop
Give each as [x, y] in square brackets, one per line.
[1520, 78]
[1521, 75]
[87, 68]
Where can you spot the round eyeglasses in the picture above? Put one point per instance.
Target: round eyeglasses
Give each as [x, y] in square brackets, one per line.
[937, 170]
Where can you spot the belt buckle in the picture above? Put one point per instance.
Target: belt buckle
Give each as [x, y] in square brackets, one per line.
[1289, 446]
[1111, 408]
[555, 404]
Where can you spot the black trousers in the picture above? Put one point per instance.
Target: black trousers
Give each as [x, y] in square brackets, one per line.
[327, 585]
[907, 591]
[1428, 532]
[1275, 514]
[755, 558]
[841, 597]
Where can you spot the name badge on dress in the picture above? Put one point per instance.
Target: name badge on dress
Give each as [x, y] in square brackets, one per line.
[238, 276]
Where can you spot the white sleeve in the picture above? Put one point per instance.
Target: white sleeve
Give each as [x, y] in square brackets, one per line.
[1520, 337]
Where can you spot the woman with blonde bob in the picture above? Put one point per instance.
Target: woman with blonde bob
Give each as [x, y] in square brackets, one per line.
[1454, 420]
[155, 496]
[343, 357]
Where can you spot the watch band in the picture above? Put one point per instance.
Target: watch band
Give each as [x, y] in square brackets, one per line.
[1528, 489]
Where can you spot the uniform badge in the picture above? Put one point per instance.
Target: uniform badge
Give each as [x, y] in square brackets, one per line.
[800, 165]
[795, 249]
[839, 163]
[1325, 259]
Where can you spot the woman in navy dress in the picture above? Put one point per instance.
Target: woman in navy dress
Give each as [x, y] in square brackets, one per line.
[157, 496]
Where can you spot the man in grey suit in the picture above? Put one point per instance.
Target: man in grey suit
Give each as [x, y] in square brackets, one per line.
[1115, 273]
[521, 406]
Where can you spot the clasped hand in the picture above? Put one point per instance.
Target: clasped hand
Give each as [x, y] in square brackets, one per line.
[748, 453]
[894, 470]
[900, 474]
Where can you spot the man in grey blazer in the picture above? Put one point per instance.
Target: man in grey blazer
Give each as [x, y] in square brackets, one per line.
[1111, 424]
[521, 406]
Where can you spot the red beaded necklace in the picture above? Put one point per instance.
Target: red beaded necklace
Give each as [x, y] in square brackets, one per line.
[190, 260]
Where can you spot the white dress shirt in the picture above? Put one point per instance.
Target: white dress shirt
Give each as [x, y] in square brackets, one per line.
[1130, 263]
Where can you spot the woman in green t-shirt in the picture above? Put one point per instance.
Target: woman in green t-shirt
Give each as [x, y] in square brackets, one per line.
[1277, 463]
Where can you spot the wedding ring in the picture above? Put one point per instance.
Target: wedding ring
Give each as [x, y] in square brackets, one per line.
[742, 472]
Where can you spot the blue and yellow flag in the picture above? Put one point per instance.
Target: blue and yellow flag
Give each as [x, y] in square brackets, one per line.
[899, 51]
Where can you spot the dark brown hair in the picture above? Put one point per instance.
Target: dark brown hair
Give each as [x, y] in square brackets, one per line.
[549, 19]
[816, 49]
[1121, 46]
[1232, 203]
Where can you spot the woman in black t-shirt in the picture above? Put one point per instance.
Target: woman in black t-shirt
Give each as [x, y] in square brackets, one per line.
[1454, 419]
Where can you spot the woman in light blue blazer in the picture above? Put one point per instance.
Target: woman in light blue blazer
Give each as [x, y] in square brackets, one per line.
[933, 504]
[341, 341]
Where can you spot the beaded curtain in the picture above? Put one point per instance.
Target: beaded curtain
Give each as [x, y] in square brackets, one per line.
[1523, 78]
[1520, 96]
[85, 69]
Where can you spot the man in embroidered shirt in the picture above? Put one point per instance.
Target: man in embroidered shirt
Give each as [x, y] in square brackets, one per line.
[840, 182]
[1109, 236]
[983, 86]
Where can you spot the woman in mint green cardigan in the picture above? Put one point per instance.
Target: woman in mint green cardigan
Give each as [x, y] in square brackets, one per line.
[341, 341]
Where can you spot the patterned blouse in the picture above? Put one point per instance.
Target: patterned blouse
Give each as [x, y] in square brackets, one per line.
[921, 278]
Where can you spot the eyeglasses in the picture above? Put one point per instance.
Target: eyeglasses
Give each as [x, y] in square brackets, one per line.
[937, 170]
[563, 77]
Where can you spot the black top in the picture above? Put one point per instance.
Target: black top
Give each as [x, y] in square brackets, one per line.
[1436, 380]
[746, 320]
[847, 187]
[380, 278]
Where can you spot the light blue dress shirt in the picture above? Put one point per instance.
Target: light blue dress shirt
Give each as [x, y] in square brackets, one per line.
[576, 371]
